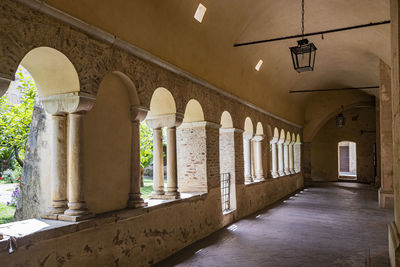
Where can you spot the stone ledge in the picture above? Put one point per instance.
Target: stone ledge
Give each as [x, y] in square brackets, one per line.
[27, 232]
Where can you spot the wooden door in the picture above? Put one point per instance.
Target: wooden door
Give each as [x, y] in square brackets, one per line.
[344, 159]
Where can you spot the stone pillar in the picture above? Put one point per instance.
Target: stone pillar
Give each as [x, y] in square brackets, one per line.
[259, 171]
[386, 141]
[76, 201]
[247, 156]
[291, 157]
[274, 160]
[58, 167]
[135, 200]
[158, 165]
[172, 177]
[286, 157]
[280, 158]
[76, 104]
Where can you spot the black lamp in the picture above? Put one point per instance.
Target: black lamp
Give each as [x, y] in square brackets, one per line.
[303, 55]
[340, 119]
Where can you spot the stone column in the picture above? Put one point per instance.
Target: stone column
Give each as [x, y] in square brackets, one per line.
[135, 200]
[172, 177]
[280, 158]
[76, 104]
[274, 160]
[258, 139]
[158, 165]
[286, 157]
[76, 202]
[58, 167]
[247, 156]
[291, 157]
[386, 140]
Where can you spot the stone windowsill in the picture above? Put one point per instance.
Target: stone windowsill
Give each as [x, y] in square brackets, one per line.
[27, 232]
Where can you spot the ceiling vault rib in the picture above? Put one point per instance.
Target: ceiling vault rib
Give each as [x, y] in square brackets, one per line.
[333, 89]
[371, 24]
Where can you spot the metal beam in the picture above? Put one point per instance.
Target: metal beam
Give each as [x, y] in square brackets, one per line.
[314, 33]
[333, 89]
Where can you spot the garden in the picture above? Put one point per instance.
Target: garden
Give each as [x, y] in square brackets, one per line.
[16, 108]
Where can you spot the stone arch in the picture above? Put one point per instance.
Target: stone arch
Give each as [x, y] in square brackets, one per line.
[282, 136]
[275, 136]
[193, 112]
[259, 129]
[248, 125]
[130, 87]
[162, 103]
[226, 120]
[52, 71]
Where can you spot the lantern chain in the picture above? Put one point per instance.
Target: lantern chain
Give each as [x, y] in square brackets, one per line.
[302, 19]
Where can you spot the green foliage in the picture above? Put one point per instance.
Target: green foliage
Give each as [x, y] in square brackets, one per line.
[11, 176]
[6, 213]
[15, 119]
[146, 145]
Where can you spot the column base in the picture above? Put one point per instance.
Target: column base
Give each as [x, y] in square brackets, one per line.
[165, 197]
[259, 178]
[386, 199]
[248, 179]
[281, 173]
[76, 211]
[56, 208]
[75, 218]
[135, 201]
[274, 175]
[287, 172]
[394, 243]
[292, 172]
[173, 194]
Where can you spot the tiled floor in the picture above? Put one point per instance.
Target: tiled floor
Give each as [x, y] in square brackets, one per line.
[327, 224]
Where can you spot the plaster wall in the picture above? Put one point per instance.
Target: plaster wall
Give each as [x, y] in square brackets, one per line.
[324, 147]
[107, 144]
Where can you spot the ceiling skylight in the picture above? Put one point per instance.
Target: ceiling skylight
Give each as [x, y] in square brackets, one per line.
[258, 66]
[201, 10]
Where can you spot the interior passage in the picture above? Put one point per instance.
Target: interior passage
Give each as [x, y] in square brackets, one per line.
[326, 224]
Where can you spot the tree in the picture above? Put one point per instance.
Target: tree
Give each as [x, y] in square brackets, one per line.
[15, 118]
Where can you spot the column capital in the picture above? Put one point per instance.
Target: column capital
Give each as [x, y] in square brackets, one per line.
[76, 102]
[138, 113]
[197, 124]
[231, 130]
[259, 137]
[167, 120]
[247, 135]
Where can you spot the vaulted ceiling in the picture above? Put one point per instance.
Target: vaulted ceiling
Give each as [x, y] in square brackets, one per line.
[168, 30]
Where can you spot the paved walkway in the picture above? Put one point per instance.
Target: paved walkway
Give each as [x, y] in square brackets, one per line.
[327, 224]
[5, 192]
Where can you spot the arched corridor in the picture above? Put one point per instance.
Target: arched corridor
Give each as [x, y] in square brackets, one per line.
[247, 133]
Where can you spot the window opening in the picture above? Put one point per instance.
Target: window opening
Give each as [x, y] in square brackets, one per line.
[226, 192]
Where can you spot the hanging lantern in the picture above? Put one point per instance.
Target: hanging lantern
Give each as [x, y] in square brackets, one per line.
[340, 120]
[303, 55]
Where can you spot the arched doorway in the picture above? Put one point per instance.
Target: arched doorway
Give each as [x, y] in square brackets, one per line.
[347, 160]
